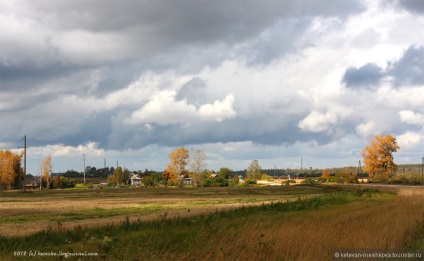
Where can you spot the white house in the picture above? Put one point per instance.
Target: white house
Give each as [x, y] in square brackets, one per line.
[135, 180]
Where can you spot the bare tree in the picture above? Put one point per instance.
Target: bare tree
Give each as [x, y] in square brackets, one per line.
[196, 165]
[254, 171]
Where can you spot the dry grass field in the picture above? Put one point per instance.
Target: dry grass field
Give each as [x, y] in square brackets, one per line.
[188, 224]
[24, 214]
[379, 221]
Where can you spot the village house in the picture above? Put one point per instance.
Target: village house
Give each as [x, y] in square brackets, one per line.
[135, 180]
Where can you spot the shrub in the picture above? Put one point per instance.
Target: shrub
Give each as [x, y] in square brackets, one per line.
[223, 182]
[67, 183]
[206, 182]
[332, 179]
[62, 182]
[235, 180]
[217, 182]
[288, 181]
[147, 181]
[405, 179]
[56, 182]
[247, 183]
[309, 181]
[342, 177]
[266, 177]
[80, 186]
[379, 178]
[163, 183]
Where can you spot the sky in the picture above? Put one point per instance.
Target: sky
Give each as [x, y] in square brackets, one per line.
[127, 82]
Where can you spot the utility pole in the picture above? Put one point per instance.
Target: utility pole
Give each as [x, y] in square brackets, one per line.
[83, 157]
[104, 161]
[360, 172]
[25, 147]
[301, 163]
[422, 171]
[274, 171]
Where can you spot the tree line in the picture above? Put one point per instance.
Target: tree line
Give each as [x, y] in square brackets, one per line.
[190, 166]
[185, 167]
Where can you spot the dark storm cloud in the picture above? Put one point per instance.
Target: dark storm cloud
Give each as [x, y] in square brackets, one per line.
[146, 36]
[409, 69]
[28, 76]
[414, 6]
[273, 45]
[163, 24]
[149, 29]
[151, 32]
[185, 20]
[10, 73]
[193, 92]
[366, 76]
[263, 129]
[96, 129]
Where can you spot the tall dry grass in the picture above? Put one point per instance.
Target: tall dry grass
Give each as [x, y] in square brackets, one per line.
[379, 223]
[314, 234]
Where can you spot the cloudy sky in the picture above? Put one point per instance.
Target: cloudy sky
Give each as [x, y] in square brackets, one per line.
[276, 81]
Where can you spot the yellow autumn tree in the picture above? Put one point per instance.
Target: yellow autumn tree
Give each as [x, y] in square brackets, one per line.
[176, 166]
[46, 170]
[325, 175]
[119, 177]
[378, 156]
[10, 169]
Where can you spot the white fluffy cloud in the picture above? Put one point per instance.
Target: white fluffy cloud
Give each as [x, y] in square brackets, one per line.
[317, 121]
[367, 129]
[411, 117]
[163, 109]
[59, 150]
[219, 110]
[409, 139]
